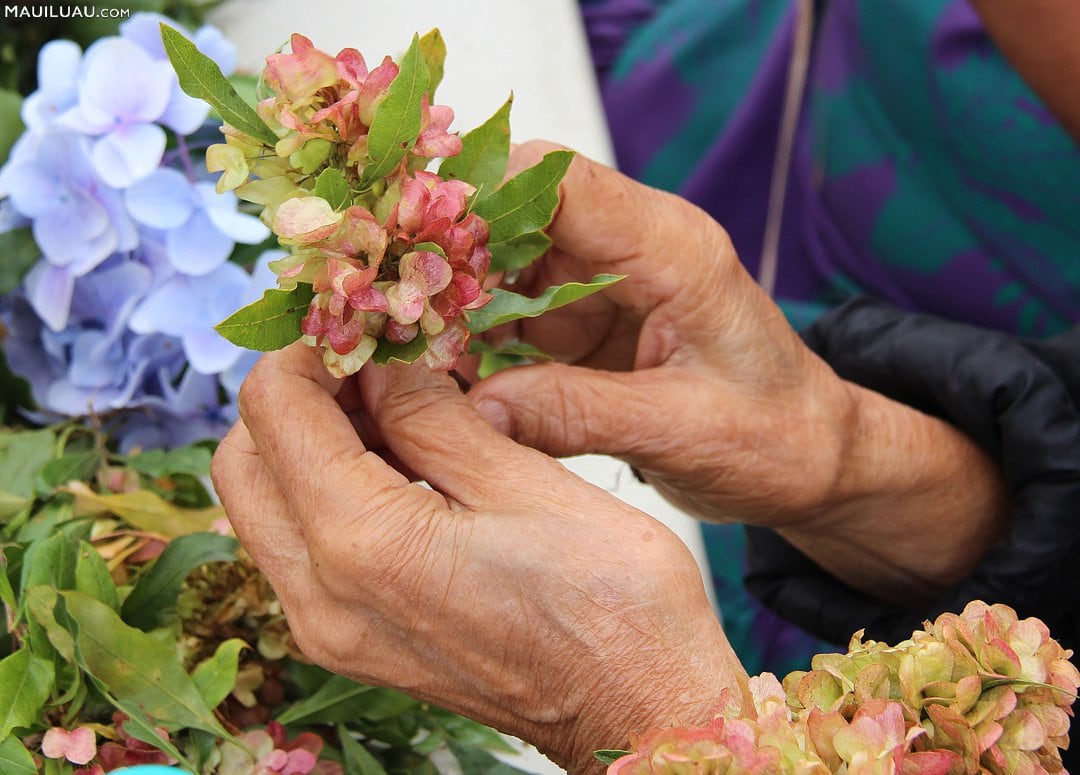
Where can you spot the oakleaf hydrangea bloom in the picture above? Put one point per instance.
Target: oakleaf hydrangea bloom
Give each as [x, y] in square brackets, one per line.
[403, 260]
[117, 317]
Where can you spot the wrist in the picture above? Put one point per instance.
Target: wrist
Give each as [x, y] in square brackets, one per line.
[913, 503]
[681, 688]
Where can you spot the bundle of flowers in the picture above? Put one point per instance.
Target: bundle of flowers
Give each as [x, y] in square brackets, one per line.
[388, 259]
[136, 631]
[978, 692]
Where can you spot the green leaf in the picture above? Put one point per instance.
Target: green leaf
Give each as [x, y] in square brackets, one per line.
[433, 52]
[16, 760]
[73, 466]
[136, 668]
[508, 306]
[358, 759]
[7, 594]
[397, 120]
[215, 676]
[154, 596]
[410, 352]
[41, 604]
[608, 756]
[11, 126]
[18, 254]
[270, 323]
[341, 700]
[25, 684]
[527, 201]
[22, 455]
[519, 252]
[92, 577]
[519, 349]
[14, 394]
[484, 151]
[467, 732]
[201, 78]
[332, 186]
[194, 461]
[478, 762]
[50, 561]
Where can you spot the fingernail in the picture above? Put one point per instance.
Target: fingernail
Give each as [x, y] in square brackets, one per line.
[496, 415]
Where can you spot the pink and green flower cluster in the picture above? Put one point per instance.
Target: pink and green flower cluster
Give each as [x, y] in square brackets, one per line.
[390, 251]
[977, 692]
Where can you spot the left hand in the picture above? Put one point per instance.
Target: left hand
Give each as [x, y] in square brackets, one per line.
[513, 592]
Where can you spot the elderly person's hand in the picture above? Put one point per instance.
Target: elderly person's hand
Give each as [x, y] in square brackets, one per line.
[688, 371]
[512, 592]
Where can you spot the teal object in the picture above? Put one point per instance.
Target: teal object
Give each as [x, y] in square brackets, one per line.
[151, 769]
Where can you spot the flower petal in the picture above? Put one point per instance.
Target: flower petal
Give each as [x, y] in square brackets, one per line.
[163, 200]
[128, 154]
[198, 246]
[48, 289]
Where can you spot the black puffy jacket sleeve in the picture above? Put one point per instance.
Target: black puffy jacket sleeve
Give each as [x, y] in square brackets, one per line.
[1020, 401]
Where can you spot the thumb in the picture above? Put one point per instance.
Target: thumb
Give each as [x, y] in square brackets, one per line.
[431, 427]
[571, 410]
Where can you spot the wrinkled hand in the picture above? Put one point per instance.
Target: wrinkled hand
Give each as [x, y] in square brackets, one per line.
[685, 369]
[688, 371]
[512, 592]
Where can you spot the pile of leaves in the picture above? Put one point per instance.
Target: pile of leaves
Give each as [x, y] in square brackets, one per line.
[136, 630]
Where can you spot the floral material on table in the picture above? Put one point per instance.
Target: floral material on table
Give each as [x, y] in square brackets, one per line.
[978, 692]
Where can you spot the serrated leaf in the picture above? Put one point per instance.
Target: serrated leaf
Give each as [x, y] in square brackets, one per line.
[484, 152]
[507, 306]
[358, 759]
[193, 461]
[527, 201]
[145, 510]
[15, 759]
[201, 78]
[270, 323]
[25, 684]
[136, 668]
[608, 756]
[156, 591]
[519, 252]
[215, 676]
[433, 52]
[92, 577]
[332, 186]
[397, 120]
[18, 254]
[409, 352]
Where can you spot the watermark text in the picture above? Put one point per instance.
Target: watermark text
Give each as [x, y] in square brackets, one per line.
[51, 11]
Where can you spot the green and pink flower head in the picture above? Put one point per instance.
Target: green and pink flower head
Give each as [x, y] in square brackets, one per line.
[388, 257]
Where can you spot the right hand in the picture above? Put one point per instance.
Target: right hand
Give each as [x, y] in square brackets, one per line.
[685, 369]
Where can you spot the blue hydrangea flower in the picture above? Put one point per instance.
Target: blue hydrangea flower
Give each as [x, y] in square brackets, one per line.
[201, 226]
[58, 70]
[123, 91]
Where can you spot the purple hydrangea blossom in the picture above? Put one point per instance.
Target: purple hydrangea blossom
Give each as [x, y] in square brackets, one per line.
[201, 226]
[116, 318]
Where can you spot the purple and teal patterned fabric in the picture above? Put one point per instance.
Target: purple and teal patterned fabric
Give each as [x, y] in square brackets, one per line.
[925, 173]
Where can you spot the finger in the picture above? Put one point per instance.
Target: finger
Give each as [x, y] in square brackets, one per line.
[611, 223]
[569, 410]
[259, 513]
[309, 445]
[434, 430]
